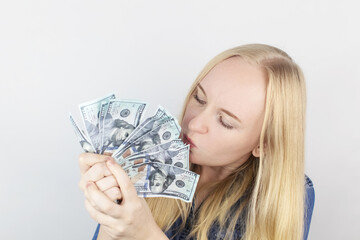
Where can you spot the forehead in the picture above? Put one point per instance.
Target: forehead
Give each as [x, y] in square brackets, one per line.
[236, 86]
[158, 175]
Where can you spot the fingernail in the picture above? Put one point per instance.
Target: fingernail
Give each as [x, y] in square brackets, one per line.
[89, 184]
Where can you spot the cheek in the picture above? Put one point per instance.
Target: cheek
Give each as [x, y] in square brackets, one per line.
[245, 144]
[228, 148]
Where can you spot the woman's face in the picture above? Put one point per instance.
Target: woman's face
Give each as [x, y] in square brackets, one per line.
[223, 119]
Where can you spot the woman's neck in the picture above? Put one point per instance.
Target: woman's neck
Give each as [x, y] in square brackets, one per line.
[209, 176]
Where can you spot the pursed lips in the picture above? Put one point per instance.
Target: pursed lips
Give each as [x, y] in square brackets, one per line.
[189, 141]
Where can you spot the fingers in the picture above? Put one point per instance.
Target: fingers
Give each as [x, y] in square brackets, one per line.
[94, 174]
[97, 215]
[114, 194]
[126, 186]
[100, 202]
[106, 183]
[87, 160]
[110, 187]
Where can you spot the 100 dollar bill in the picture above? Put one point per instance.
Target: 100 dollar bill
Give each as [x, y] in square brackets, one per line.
[121, 118]
[172, 145]
[90, 112]
[162, 180]
[148, 125]
[176, 157]
[84, 142]
[166, 132]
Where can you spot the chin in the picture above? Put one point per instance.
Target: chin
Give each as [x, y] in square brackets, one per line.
[196, 161]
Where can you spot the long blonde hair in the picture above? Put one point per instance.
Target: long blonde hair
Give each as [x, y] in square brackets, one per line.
[271, 187]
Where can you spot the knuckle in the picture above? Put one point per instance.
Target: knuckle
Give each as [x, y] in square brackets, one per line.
[95, 172]
[82, 158]
[120, 230]
[128, 221]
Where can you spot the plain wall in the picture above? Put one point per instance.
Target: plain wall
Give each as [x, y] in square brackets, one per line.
[55, 55]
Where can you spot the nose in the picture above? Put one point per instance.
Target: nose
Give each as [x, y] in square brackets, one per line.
[122, 136]
[199, 123]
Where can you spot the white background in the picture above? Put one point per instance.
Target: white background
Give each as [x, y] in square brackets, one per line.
[57, 54]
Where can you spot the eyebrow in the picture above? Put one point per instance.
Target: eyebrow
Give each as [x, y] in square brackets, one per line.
[221, 109]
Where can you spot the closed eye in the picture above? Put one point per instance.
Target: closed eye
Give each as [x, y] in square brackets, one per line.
[202, 102]
[226, 125]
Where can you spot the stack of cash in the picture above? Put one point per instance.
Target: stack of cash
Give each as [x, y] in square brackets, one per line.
[150, 151]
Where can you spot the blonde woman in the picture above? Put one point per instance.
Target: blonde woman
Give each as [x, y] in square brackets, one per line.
[244, 118]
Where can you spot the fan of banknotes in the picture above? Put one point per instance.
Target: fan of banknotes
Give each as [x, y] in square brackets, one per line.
[150, 151]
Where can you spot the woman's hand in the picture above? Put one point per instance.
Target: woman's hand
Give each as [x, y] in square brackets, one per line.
[131, 219]
[94, 169]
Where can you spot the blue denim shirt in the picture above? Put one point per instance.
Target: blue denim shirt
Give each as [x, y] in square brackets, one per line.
[214, 232]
